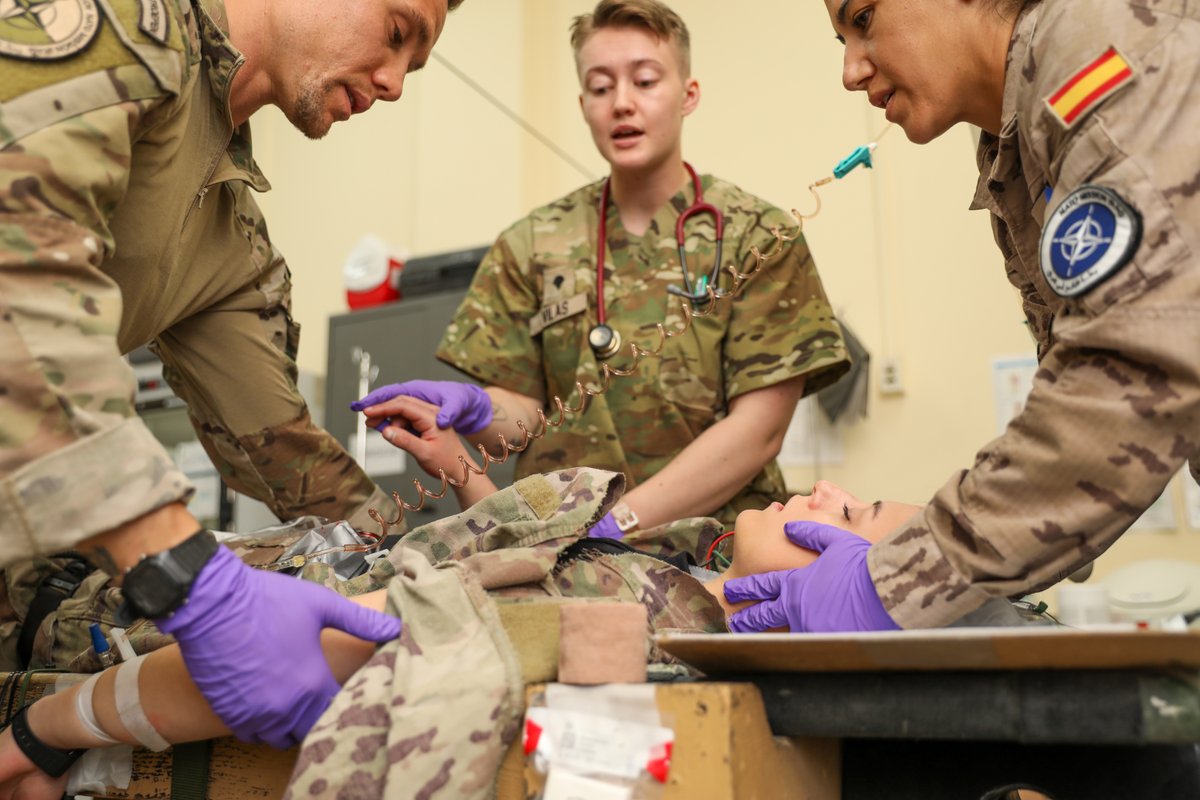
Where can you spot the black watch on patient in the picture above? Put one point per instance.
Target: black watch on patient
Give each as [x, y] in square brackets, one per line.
[50, 760]
[159, 584]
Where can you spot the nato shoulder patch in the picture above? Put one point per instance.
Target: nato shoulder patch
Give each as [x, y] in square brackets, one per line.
[47, 30]
[1091, 235]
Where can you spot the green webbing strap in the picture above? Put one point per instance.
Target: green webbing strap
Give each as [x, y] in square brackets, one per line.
[13, 693]
[189, 770]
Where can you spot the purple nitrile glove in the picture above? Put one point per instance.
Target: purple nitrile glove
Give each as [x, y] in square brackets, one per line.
[251, 642]
[463, 406]
[605, 528]
[834, 593]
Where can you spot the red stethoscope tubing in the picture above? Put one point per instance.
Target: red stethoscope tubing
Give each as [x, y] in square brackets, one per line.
[698, 206]
[600, 248]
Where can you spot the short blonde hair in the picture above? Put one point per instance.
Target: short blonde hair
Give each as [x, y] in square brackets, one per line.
[650, 15]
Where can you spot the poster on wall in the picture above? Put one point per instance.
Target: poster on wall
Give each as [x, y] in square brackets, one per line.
[811, 439]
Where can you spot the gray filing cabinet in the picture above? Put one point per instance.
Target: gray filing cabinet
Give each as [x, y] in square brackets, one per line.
[401, 338]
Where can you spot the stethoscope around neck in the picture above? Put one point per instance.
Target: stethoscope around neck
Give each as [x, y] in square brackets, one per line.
[605, 341]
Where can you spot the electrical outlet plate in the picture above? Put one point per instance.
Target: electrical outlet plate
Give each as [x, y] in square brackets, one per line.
[891, 381]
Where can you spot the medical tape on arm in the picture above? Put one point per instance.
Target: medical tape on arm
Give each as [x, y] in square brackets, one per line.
[129, 707]
[87, 716]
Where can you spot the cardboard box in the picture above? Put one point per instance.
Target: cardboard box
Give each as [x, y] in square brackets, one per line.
[723, 750]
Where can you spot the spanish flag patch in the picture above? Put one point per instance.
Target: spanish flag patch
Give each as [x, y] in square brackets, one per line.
[1089, 86]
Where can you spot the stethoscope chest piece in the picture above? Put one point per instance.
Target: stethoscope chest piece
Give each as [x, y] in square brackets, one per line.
[604, 341]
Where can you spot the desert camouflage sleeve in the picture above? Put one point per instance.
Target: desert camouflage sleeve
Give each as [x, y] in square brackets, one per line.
[74, 458]
[1115, 407]
[234, 364]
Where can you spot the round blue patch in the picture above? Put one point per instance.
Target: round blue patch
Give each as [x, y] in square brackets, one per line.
[1091, 235]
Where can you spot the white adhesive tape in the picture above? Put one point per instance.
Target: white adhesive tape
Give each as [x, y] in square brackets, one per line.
[129, 706]
[86, 714]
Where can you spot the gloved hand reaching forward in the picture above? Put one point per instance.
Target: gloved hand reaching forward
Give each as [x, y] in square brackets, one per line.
[605, 528]
[251, 642]
[834, 593]
[463, 406]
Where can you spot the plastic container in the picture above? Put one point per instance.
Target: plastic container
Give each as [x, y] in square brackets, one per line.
[372, 274]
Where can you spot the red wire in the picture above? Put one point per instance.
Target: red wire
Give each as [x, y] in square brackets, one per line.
[712, 547]
[600, 245]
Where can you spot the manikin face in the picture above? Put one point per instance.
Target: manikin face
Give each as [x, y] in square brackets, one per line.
[912, 58]
[634, 97]
[761, 545]
[333, 60]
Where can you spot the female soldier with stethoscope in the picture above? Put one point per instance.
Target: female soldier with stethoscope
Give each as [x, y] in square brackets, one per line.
[695, 431]
[1090, 169]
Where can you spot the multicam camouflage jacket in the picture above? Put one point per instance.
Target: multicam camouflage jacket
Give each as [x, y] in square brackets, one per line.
[1100, 110]
[523, 326]
[127, 217]
[529, 541]
[435, 709]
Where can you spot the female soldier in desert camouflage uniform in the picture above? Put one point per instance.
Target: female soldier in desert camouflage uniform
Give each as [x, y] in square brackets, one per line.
[1089, 167]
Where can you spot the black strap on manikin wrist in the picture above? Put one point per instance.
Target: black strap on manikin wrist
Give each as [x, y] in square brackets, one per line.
[50, 760]
[50, 593]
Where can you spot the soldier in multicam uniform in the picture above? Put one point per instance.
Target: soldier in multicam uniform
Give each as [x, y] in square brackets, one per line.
[126, 217]
[695, 430]
[1089, 166]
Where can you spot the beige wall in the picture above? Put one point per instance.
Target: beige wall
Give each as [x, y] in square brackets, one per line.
[905, 263]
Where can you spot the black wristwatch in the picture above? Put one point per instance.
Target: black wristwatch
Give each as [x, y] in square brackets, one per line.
[50, 760]
[158, 584]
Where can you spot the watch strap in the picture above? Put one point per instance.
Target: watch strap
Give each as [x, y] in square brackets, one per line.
[182, 562]
[194, 552]
[50, 760]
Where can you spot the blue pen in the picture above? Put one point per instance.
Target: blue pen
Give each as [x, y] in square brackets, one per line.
[100, 645]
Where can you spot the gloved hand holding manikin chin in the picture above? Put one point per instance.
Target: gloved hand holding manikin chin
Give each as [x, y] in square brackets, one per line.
[803, 566]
